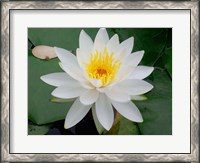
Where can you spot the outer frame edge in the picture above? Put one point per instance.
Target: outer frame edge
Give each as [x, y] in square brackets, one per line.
[5, 25]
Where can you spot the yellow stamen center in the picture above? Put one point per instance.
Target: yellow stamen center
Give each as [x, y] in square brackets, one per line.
[102, 66]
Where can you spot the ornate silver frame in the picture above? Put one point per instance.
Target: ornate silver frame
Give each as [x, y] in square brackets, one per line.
[193, 6]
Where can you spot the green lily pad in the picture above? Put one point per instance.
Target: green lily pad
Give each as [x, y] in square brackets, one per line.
[157, 110]
[151, 40]
[128, 127]
[168, 62]
[34, 129]
[67, 38]
[123, 126]
[40, 109]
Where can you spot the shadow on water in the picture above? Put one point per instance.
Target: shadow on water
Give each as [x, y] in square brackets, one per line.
[85, 127]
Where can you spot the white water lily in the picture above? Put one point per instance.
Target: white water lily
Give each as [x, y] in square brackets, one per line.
[103, 75]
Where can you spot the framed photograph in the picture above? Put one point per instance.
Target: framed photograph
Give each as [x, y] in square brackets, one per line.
[100, 81]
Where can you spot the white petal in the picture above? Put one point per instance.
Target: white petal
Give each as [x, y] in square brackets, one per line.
[96, 83]
[120, 54]
[128, 110]
[81, 58]
[113, 44]
[125, 71]
[124, 49]
[104, 89]
[87, 85]
[89, 97]
[118, 95]
[104, 111]
[69, 64]
[141, 72]
[122, 74]
[68, 91]
[134, 86]
[98, 125]
[128, 45]
[76, 113]
[101, 40]
[57, 79]
[85, 43]
[134, 58]
[64, 55]
[91, 83]
[73, 70]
